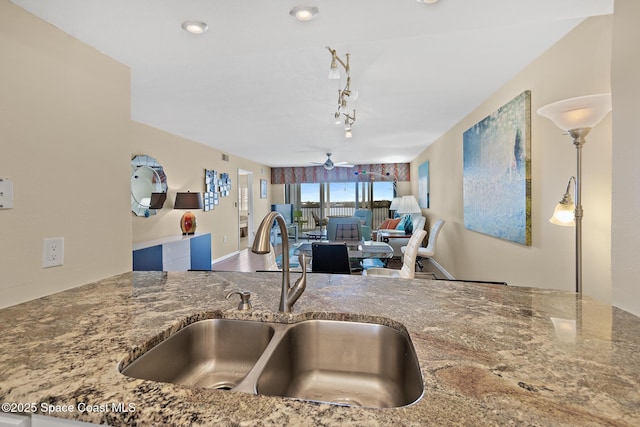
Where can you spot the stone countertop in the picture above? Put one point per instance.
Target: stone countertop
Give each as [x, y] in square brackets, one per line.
[490, 354]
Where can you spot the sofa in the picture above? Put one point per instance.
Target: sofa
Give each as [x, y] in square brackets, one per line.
[397, 243]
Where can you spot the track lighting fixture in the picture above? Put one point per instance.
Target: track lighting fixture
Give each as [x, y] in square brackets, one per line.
[346, 94]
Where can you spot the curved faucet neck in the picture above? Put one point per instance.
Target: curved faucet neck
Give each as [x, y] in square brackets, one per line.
[262, 244]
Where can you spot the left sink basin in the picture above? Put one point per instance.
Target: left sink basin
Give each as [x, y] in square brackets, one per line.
[213, 353]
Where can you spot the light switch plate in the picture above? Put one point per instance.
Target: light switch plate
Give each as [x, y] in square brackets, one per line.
[6, 193]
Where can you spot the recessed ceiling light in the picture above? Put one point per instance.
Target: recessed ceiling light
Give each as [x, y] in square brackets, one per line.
[428, 1]
[304, 13]
[194, 27]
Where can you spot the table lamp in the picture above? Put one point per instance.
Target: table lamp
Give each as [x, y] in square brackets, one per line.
[408, 205]
[188, 200]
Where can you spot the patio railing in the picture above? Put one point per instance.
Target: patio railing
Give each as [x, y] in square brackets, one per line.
[380, 212]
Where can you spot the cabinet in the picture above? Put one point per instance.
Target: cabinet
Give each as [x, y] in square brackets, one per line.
[179, 253]
[12, 420]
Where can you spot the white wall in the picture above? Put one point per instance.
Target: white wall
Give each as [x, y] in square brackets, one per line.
[579, 64]
[64, 141]
[626, 152]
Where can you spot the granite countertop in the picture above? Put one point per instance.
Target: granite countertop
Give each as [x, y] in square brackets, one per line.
[490, 354]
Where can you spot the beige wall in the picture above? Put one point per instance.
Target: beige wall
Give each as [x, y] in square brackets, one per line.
[64, 141]
[626, 152]
[184, 162]
[577, 65]
[67, 142]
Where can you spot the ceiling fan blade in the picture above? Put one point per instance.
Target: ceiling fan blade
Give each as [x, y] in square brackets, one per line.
[343, 166]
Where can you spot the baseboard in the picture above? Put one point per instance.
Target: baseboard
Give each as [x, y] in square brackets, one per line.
[441, 268]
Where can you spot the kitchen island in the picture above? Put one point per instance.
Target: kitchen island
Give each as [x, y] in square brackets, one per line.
[489, 354]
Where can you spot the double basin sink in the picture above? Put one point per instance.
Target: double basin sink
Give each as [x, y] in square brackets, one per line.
[339, 362]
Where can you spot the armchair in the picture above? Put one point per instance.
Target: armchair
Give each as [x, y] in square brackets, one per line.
[366, 217]
[399, 241]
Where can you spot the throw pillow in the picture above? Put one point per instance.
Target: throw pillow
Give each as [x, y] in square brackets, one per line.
[402, 222]
[389, 224]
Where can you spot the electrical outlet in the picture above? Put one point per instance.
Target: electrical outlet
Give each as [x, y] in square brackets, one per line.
[224, 239]
[53, 252]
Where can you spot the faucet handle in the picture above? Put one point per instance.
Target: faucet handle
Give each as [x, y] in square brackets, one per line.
[245, 299]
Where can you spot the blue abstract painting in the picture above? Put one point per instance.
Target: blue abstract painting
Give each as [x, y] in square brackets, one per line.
[423, 185]
[497, 172]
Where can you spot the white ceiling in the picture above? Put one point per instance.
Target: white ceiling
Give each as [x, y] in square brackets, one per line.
[255, 84]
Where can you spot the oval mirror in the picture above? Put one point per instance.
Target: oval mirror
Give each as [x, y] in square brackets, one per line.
[148, 186]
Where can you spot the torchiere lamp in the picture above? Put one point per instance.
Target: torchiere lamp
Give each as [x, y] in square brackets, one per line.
[576, 116]
[188, 200]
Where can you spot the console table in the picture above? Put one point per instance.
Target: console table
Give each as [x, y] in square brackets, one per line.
[175, 253]
[386, 235]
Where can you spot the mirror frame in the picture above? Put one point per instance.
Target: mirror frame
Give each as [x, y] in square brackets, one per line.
[147, 177]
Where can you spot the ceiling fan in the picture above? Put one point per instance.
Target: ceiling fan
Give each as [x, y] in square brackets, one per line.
[330, 164]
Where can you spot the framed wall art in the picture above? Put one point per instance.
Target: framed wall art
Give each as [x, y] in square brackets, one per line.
[210, 189]
[497, 172]
[224, 184]
[423, 185]
[263, 188]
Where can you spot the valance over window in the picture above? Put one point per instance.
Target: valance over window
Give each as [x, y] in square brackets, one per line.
[318, 174]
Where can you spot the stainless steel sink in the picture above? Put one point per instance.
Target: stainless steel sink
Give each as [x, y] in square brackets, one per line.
[213, 353]
[346, 363]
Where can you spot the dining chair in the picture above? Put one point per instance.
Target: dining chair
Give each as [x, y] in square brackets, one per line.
[430, 250]
[408, 270]
[298, 219]
[347, 232]
[344, 228]
[330, 257]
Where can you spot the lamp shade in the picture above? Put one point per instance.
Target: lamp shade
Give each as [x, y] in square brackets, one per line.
[188, 200]
[408, 205]
[577, 113]
[394, 204]
[564, 214]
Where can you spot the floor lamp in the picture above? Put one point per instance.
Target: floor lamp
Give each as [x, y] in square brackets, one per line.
[576, 116]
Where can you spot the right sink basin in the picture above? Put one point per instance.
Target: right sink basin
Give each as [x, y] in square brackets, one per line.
[348, 363]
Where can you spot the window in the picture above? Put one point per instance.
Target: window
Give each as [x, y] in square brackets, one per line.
[341, 199]
[383, 190]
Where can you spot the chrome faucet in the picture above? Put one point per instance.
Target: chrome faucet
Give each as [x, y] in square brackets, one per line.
[262, 245]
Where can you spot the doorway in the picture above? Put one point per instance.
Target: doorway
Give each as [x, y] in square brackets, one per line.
[245, 209]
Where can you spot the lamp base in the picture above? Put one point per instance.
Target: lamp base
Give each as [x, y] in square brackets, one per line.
[188, 223]
[408, 226]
